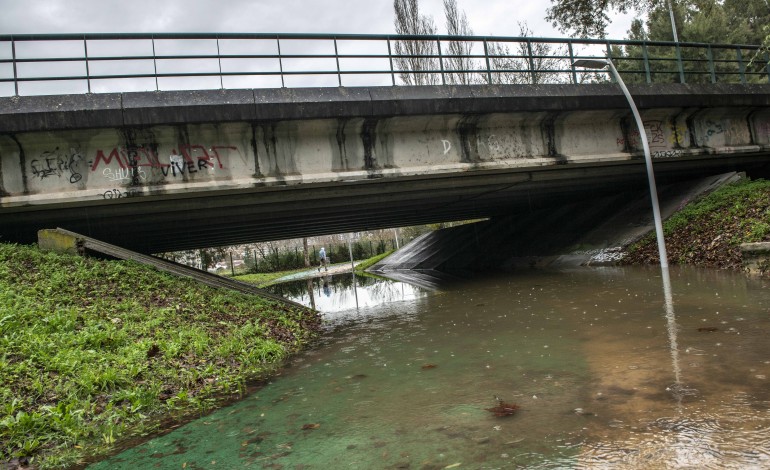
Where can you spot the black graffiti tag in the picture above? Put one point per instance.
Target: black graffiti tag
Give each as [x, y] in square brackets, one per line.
[58, 163]
[118, 194]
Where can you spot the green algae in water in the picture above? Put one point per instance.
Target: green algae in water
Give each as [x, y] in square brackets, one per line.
[376, 406]
[588, 355]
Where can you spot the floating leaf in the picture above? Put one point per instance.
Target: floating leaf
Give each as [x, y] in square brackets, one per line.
[503, 408]
[708, 329]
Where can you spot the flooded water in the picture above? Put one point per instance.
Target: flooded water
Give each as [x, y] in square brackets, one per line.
[603, 378]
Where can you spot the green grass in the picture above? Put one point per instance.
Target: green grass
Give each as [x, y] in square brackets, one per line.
[265, 279]
[367, 263]
[92, 352]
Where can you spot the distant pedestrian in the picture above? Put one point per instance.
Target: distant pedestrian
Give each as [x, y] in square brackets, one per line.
[324, 260]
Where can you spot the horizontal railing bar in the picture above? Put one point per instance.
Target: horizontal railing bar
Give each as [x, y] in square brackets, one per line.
[342, 72]
[360, 37]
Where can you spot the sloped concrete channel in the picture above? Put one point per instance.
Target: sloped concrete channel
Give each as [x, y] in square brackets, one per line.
[589, 232]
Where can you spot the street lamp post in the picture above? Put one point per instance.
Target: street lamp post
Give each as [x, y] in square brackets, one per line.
[600, 64]
[677, 389]
[673, 21]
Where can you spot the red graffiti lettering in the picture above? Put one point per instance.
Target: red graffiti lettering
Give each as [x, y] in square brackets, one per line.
[100, 157]
[215, 151]
[194, 156]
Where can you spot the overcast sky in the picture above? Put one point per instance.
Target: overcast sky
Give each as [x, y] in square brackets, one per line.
[486, 17]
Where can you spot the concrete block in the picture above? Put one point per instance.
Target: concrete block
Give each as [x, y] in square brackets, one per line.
[59, 241]
[756, 257]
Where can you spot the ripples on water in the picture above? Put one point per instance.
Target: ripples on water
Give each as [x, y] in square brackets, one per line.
[603, 379]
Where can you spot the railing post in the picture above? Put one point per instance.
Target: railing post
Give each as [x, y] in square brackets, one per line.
[489, 70]
[741, 65]
[280, 60]
[712, 66]
[679, 63]
[441, 61]
[219, 60]
[155, 64]
[572, 61]
[646, 58]
[88, 71]
[390, 60]
[337, 58]
[15, 72]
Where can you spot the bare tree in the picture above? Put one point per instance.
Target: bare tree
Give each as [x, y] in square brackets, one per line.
[542, 58]
[531, 62]
[457, 25]
[503, 66]
[414, 56]
[305, 251]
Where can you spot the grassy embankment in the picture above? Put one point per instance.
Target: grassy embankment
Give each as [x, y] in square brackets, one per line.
[92, 352]
[708, 231]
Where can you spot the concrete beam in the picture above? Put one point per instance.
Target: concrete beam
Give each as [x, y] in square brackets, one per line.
[42, 113]
[39, 113]
[180, 107]
[181, 169]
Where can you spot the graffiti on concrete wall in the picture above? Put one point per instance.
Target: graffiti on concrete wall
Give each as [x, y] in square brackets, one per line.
[121, 193]
[121, 174]
[128, 164]
[58, 163]
[714, 128]
[657, 137]
[185, 160]
[667, 153]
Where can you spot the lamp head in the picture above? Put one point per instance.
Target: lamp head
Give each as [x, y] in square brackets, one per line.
[591, 63]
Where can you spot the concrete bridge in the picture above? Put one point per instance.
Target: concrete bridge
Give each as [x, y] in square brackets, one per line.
[173, 170]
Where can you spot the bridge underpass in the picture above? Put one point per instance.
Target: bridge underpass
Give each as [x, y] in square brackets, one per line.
[169, 171]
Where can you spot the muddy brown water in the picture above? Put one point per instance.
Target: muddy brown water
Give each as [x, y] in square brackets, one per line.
[602, 378]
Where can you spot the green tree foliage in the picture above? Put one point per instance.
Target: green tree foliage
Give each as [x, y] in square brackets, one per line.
[708, 21]
[589, 18]
[723, 21]
[739, 22]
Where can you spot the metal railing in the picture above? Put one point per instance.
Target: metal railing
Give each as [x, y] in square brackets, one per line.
[99, 63]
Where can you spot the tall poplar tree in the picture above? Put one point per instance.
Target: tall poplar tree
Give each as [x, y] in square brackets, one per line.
[412, 55]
